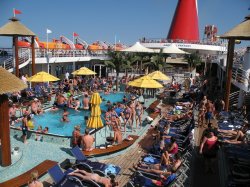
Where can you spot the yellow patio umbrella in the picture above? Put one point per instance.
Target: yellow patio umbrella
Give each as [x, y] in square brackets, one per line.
[42, 77]
[95, 99]
[96, 110]
[95, 120]
[157, 75]
[145, 82]
[84, 71]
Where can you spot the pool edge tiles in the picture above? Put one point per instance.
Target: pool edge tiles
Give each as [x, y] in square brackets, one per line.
[51, 138]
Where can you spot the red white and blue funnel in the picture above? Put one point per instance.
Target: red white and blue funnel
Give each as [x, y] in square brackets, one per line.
[185, 22]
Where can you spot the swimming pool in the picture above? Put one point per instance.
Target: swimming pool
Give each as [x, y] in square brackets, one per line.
[53, 119]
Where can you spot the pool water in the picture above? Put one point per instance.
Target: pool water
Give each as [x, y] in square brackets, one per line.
[56, 126]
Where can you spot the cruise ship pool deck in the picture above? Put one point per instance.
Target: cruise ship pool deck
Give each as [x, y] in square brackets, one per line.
[34, 152]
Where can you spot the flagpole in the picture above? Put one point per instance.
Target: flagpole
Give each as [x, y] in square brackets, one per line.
[73, 38]
[115, 42]
[47, 46]
[14, 12]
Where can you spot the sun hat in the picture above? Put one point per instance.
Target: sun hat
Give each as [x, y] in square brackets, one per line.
[35, 99]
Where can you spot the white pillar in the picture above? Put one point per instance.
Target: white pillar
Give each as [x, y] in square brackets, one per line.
[74, 66]
[100, 71]
[241, 98]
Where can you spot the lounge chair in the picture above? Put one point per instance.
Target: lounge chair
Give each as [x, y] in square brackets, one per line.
[62, 179]
[108, 169]
[142, 180]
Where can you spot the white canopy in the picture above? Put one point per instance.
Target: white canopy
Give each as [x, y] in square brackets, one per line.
[173, 49]
[137, 47]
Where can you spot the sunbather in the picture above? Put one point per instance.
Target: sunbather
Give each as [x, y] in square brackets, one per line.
[92, 176]
[237, 135]
[167, 166]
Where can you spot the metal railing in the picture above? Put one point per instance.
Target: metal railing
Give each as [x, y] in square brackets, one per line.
[233, 98]
[164, 40]
[240, 75]
[23, 55]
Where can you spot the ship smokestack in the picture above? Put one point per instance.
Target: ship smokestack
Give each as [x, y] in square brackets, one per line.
[184, 25]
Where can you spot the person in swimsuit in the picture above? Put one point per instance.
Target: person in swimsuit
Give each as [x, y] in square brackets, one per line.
[87, 141]
[201, 116]
[117, 131]
[162, 168]
[133, 113]
[108, 117]
[114, 116]
[172, 148]
[84, 175]
[34, 180]
[127, 116]
[38, 131]
[76, 136]
[65, 115]
[85, 102]
[24, 128]
[138, 112]
[208, 149]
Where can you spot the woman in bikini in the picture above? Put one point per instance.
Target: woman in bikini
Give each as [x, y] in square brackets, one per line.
[133, 113]
[108, 117]
[117, 131]
[127, 115]
[94, 177]
[138, 112]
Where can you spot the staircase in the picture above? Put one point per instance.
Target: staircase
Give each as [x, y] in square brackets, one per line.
[24, 59]
[240, 78]
[233, 98]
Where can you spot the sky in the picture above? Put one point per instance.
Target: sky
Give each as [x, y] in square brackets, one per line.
[125, 20]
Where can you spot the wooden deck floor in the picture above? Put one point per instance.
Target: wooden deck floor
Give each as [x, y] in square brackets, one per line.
[126, 161]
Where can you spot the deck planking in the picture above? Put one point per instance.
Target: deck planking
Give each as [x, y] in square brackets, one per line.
[131, 157]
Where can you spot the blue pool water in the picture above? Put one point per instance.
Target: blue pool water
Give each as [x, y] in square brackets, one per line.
[53, 119]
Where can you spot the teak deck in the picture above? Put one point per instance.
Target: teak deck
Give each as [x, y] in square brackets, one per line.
[109, 150]
[24, 178]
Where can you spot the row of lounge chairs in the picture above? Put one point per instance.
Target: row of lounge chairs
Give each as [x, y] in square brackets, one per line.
[182, 131]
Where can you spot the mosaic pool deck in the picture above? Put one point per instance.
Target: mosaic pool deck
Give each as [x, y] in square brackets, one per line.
[35, 151]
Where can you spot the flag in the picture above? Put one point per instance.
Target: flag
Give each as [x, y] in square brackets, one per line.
[48, 31]
[75, 34]
[17, 11]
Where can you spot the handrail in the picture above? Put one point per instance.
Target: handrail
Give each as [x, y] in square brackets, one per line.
[24, 56]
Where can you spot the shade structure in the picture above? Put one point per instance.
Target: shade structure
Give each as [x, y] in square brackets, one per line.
[145, 82]
[15, 28]
[173, 49]
[158, 75]
[240, 31]
[10, 83]
[95, 99]
[84, 71]
[138, 48]
[42, 77]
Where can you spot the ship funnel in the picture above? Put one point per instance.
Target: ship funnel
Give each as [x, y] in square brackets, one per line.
[185, 22]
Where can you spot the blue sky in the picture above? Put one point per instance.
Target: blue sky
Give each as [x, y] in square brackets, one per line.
[129, 20]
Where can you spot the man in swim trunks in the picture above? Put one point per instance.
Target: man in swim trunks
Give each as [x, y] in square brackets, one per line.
[85, 102]
[87, 141]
